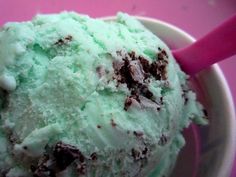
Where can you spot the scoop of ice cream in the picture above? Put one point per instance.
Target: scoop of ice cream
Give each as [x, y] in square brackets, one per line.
[84, 97]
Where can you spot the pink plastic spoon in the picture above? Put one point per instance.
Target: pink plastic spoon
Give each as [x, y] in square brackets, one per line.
[217, 45]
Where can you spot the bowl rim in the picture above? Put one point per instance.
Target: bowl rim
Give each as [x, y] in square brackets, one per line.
[230, 146]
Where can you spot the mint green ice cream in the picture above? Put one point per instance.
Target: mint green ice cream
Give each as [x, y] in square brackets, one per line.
[84, 97]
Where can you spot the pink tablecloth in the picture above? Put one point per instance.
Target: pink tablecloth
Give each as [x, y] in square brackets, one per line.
[194, 16]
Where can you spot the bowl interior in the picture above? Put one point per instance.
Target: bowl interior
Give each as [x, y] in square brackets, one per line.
[209, 151]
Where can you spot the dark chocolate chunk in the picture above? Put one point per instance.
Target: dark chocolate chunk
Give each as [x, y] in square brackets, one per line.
[4, 95]
[164, 53]
[132, 55]
[128, 103]
[145, 91]
[61, 156]
[64, 40]
[145, 151]
[43, 168]
[184, 95]
[135, 154]
[100, 71]
[81, 168]
[99, 126]
[163, 140]
[205, 112]
[145, 64]
[60, 42]
[68, 38]
[136, 71]
[93, 156]
[130, 100]
[138, 133]
[65, 154]
[113, 124]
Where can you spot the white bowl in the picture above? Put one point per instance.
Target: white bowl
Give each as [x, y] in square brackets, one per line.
[218, 145]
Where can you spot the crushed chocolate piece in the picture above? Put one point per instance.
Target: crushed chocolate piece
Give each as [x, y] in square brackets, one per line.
[205, 112]
[161, 100]
[158, 69]
[119, 53]
[60, 42]
[145, 64]
[13, 139]
[163, 140]
[132, 55]
[62, 155]
[128, 103]
[65, 154]
[100, 71]
[130, 100]
[68, 38]
[145, 91]
[64, 40]
[160, 56]
[43, 168]
[25, 147]
[81, 168]
[5, 99]
[99, 126]
[164, 53]
[135, 154]
[184, 95]
[136, 71]
[113, 124]
[93, 156]
[145, 151]
[138, 133]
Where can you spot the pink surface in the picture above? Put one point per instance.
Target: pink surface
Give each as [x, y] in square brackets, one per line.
[197, 17]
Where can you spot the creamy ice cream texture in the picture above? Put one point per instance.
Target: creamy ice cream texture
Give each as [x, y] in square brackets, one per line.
[84, 97]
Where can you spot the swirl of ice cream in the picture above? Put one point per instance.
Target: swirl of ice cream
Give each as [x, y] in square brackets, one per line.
[84, 97]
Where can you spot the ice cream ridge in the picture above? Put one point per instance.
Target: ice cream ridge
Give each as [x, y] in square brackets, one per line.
[84, 97]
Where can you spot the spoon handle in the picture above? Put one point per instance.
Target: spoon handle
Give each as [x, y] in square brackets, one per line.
[217, 45]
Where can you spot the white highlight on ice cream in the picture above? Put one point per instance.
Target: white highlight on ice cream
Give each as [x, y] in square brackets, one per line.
[33, 145]
[7, 82]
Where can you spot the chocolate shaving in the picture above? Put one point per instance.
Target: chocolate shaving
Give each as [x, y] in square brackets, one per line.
[43, 169]
[128, 103]
[62, 156]
[145, 151]
[93, 156]
[138, 133]
[65, 154]
[139, 154]
[113, 124]
[81, 168]
[163, 140]
[135, 72]
[184, 94]
[135, 154]
[4, 95]
[205, 112]
[64, 40]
